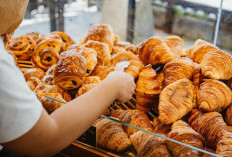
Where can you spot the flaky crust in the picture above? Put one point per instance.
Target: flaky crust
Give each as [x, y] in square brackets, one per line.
[123, 56]
[33, 82]
[160, 127]
[85, 88]
[176, 100]
[217, 65]
[213, 95]
[102, 71]
[134, 68]
[36, 36]
[70, 72]
[67, 41]
[34, 72]
[228, 117]
[127, 46]
[176, 45]
[92, 79]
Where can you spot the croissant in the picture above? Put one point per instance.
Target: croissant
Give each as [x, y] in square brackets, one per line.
[161, 128]
[22, 47]
[127, 46]
[100, 32]
[176, 45]
[103, 52]
[176, 101]
[199, 49]
[196, 82]
[47, 52]
[148, 145]
[77, 47]
[85, 88]
[111, 135]
[155, 51]
[224, 146]
[102, 71]
[134, 68]
[67, 41]
[217, 65]
[34, 72]
[117, 49]
[49, 104]
[182, 132]
[177, 69]
[32, 82]
[92, 79]
[147, 89]
[210, 125]
[228, 116]
[70, 52]
[36, 36]
[213, 95]
[122, 56]
[48, 78]
[133, 117]
[90, 57]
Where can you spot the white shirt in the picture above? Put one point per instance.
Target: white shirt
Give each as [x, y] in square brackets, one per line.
[19, 107]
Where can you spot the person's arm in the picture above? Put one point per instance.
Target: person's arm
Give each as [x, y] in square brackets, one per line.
[54, 132]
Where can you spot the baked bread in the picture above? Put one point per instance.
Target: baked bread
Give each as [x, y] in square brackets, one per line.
[176, 45]
[127, 46]
[34, 72]
[134, 68]
[117, 49]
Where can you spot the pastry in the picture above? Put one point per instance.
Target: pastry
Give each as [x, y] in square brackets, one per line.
[127, 46]
[122, 56]
[176, 45]
[36, 36]
[134, 68]
[102, 71]
[228, 116]
[92, 79]
[32, 82]
[67, 41]
[34, 72]
[161, 128]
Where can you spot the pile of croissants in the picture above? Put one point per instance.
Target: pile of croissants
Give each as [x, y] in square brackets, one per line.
[190, 88]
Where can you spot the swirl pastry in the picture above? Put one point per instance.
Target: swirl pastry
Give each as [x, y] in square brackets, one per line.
[70, 72]
[182, 132]
[147, 89]
[122, 56]
[33, 82]
[36, 36]
[100, 32]
[148, 145]
[176, 101]
[176, 45]
[213, 95]
[127, 46]
[34, 72]
[155, 51]
[134, 68]
[103, 52]
[47, 52]
[217, 65]
[22, 47]
[102, 71]
[111, 135]
[228, 117]
[67, 41]
[177, 69]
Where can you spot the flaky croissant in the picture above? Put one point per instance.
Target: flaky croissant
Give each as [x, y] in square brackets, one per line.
[70, 72]
[100, 32]
[213, 95]
[33, 82]
[147, 89]
[224, 146]
[148, 145]
[127, 46]
[176, 101]
[133, 117]
[49, 104]
[228, 117]
[22, 47]
[177, 69]
[48, 78]
[111, 135]
[102, 71]
[67, 41]
[182, 132]
[176, 44]
[103, 52]
[123, 56]
[161, 128]
[34, 72]
[92, 79]
[155, 51]
[217, 65]
[117, 49]
[134, 68]
[70, 52]
[46, 53]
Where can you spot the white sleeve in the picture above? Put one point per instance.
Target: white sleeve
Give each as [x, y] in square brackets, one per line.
[19, 107]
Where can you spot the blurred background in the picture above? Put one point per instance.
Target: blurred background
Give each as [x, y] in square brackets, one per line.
[133, 20]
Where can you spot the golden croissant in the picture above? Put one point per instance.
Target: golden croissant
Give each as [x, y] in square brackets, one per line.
[217, 65]
[213, 95]
[228, 117]
[148, 145]
[111, 135]
[147, 89]
[133, 117]
[161, 128]
[176, 44]
[92, 79]
[127, 46]
[34, 72]
[48, 78]
[176, 101]
[155, 51]
[182, 132]
[134, 68]
[117, 49]
[177, 69]
[224, 146]
[102, 71]
[123, 56]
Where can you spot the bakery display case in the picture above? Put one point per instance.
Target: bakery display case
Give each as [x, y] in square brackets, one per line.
[177, 51]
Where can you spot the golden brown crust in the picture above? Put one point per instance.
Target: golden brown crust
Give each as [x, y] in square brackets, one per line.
[176, 45]
[213, 95]
[176, 101]
[36, 36]
[103, 52]
[117, 49]
[123, 56]
[147, 89]
[70, 52]
[111, 135]
[85, 88]
[224, 146]
[22, 47]
[134, 68]
[34, 72]
[148, 145]
[127, 46]
[100, 32]
[47, 52]
[92, 79]
[161, 128]
[70, 72]
[155, 51]
[33, 82]
[228, 116]
[182, 132]
[67, 41]
[102, 71]
[177, 69]
[217, 65]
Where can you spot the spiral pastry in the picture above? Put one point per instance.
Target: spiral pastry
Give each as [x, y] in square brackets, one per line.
[47, 52]
[35, 36]
[22, 47]
[67, 41]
